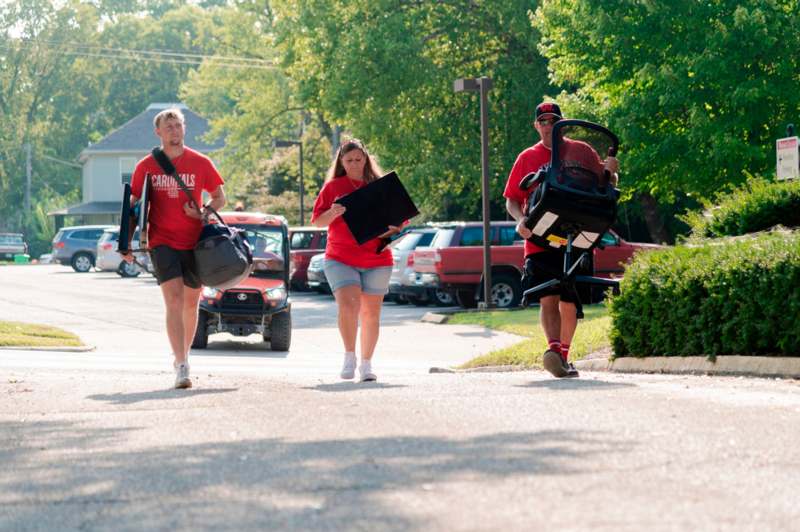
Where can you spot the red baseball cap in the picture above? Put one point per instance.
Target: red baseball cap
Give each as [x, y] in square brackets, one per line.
[548, 108]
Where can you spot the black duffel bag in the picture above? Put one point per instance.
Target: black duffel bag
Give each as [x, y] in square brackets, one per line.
[222, 254]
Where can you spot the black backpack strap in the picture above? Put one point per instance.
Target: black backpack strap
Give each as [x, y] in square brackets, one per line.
[163, 161]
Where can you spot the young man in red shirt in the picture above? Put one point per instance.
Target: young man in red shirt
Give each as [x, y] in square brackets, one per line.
[174, 227]
[558, 313]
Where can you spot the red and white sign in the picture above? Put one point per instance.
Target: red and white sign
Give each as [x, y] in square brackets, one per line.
[788, 160]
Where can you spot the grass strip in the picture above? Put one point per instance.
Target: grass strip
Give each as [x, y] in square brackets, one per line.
[19, 334]
[592, 335]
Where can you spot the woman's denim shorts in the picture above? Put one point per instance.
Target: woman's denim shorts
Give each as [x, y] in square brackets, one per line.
[374, 281]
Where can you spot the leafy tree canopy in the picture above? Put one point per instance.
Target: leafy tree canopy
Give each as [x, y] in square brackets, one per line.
[698, 91]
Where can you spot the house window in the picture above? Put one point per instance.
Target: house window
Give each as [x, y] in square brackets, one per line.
[126, 166]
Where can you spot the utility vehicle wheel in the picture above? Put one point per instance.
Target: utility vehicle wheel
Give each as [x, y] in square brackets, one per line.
[201, 333]
[506, 291]
[280, 329]
[128, 269]
[82, 262]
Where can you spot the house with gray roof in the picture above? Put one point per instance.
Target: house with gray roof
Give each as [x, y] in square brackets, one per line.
[109, 163]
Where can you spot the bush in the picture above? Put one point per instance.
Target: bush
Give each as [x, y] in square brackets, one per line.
[735, 296]
[756, 206]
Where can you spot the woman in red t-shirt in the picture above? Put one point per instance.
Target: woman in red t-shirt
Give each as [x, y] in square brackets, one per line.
[357, 274]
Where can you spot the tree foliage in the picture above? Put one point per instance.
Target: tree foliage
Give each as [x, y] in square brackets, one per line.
[65, 81]
[385, 69]
[251, 108]
[698, 91]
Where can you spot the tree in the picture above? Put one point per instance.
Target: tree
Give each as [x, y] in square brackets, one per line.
[33, 83]
[385, 69]
[250, 107]
[66, 79]
[697, 91]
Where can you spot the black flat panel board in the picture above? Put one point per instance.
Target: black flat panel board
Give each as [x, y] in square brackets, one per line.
[374, 207]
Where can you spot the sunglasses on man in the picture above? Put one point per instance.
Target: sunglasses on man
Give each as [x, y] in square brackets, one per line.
[547, 121]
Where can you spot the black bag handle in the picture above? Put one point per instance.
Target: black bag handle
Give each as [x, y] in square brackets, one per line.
[169, 168]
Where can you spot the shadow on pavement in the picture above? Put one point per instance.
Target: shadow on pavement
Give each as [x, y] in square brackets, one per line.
[576, 384]
[88, 478]
[233, 348]
[352, 386]
[486, 333]
[156, 395]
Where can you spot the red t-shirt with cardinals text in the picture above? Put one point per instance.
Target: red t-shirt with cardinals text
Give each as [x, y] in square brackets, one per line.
[168, 223]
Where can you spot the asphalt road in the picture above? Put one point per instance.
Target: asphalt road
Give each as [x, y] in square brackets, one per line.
[98, 441]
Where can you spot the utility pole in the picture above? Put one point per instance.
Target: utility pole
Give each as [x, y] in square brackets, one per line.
[28, 170]
[483, 85]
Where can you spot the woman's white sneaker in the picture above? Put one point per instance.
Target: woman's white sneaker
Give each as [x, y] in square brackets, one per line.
[365, 372]
[182, 379]
[349, 366]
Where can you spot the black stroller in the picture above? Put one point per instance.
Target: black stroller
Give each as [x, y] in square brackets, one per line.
[574, 204]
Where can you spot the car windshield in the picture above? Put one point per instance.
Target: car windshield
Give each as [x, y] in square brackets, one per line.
[108, 236]
[407, 242]
[11, 239]
[442, 238]
[263, 239]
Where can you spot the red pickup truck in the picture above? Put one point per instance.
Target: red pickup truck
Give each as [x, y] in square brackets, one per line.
[454, 261]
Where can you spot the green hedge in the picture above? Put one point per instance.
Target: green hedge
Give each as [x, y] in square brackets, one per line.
[756, 206]
[727, 297]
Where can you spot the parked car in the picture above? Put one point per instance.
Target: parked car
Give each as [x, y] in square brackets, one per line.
[77, 246]
[402, 283]
[316, 274]
[260, 304]
[453, 262]
[12, 244]
[305, 242]
[108, 259]
[614, 253]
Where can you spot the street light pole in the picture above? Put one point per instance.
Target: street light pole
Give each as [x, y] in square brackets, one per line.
[28, 171]
[302, 190]
[483, 85]
[280, 143]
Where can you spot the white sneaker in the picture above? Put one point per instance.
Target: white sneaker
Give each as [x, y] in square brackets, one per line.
[349, 366]
[365, 371]
[182, 379]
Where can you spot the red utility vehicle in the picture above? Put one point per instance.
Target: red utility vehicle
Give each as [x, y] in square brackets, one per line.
[259, 304]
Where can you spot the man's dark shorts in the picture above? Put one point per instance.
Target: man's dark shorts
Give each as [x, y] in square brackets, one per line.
[542, 267]
[169, 263]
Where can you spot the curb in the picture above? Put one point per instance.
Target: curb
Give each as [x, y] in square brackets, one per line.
[784, 367]
[65, 349]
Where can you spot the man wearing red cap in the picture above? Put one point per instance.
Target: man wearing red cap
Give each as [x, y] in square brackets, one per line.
[558, 310]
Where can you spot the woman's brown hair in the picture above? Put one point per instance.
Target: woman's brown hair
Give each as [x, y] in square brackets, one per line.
[371, 169]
